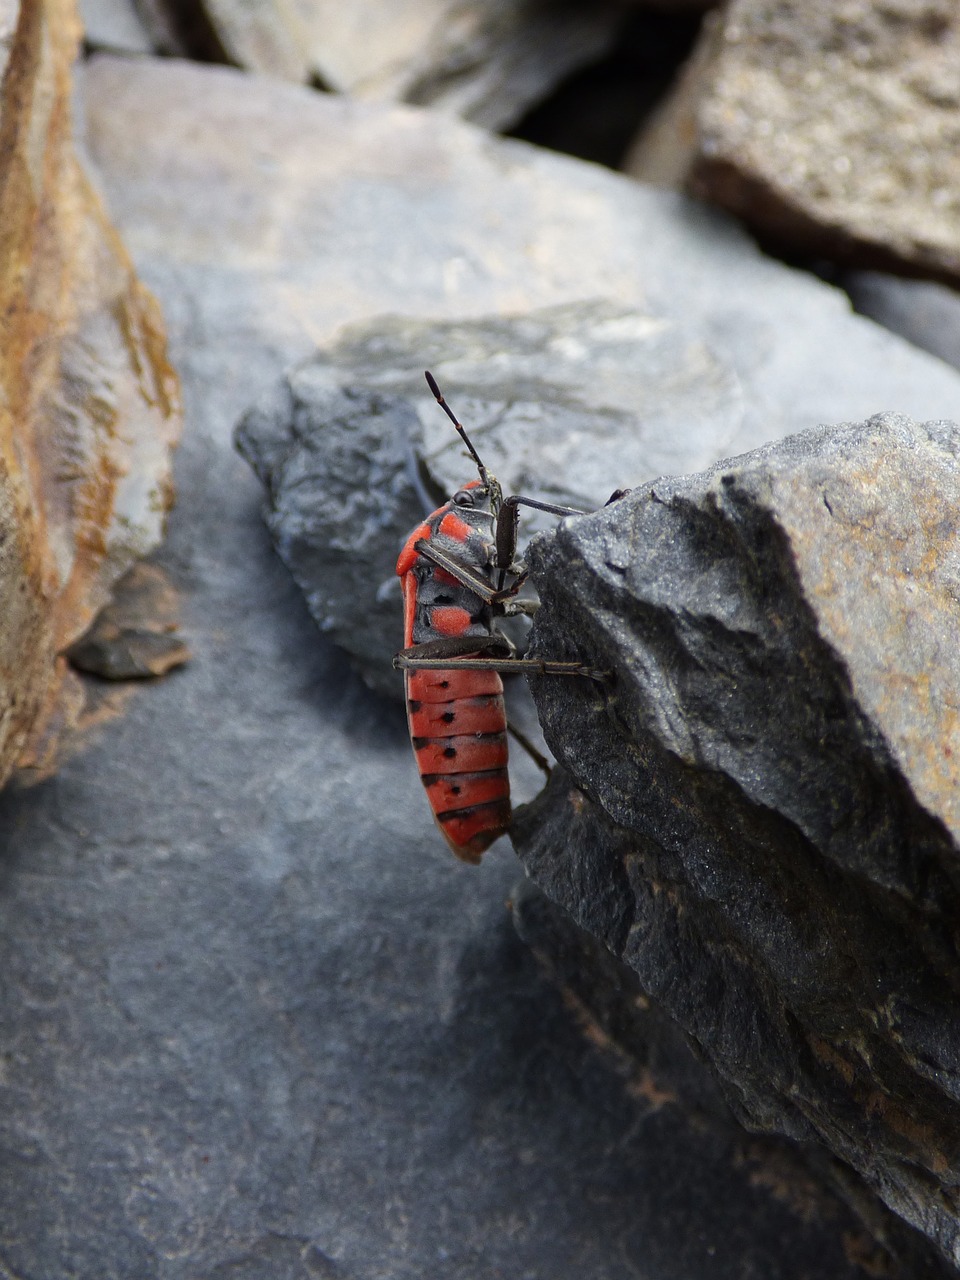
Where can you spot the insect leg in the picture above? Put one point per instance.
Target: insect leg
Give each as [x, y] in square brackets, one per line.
[539, 760]
[439, 652]
[466, 575]
[409, 660]
[508, 518]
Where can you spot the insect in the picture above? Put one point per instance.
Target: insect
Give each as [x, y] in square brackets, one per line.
[459, 572]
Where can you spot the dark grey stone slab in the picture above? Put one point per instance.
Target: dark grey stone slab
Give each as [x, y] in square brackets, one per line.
[925, 313]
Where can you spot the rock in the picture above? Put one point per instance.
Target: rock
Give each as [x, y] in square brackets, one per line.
[89, 410]
[354, 450]
[763, 821]
[115, 25]
[596, 112]
[462, 225]
[926, 314]
[134, 636]
[830, 129]
[652, 1056]
[486, 61]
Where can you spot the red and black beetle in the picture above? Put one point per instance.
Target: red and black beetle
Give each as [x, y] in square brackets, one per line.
[454, 569]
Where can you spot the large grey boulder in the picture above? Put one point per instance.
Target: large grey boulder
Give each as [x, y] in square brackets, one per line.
[760, 811]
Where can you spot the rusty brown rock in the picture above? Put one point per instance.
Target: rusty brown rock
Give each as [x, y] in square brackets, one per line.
[88, 403]
[829, 127]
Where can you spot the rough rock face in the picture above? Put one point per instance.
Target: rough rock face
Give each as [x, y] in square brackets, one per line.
[354, 450]
[653, 1056]
[88, 410]
[831, 127]
[485, 61]
[763, 818]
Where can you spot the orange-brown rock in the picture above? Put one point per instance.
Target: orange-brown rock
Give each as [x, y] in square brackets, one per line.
[88, 403]
[833, 128]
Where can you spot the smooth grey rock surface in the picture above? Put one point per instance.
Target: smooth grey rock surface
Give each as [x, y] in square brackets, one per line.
[925, 313]
[774, 771]
[115, 25]
[304, 212]
[486, 61]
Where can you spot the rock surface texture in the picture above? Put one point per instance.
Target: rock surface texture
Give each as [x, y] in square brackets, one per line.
[760, 814]
[89, 408]
[833, 128]
[486, 61]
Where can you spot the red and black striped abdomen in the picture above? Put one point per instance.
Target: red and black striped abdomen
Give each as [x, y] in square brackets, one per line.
[457, 718]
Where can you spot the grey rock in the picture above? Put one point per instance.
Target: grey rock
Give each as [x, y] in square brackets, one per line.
[327, 211]
[925, 313]
[772, 840]
[257, 1023]
[651, 1053]
[115, 25]
[561, 403]
[487, 61]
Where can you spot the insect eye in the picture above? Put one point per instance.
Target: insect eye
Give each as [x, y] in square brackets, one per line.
[465, 497]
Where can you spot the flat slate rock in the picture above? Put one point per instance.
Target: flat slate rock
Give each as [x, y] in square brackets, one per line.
[772, 842]
[257, 1022]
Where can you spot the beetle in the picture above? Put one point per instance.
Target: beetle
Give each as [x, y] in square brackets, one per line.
[459, 573]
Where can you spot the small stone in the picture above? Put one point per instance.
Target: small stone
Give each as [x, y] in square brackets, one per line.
[115, 25]
[134, 636]
[925, 313]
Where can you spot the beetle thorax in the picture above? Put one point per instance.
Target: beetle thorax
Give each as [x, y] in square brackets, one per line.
[446, 606]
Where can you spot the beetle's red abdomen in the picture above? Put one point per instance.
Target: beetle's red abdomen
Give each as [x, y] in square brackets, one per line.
[457, 719]
[460, 744]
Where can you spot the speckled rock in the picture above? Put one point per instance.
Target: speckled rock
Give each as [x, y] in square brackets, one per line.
[832, 128]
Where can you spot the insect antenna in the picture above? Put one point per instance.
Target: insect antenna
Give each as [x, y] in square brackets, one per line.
[485, 477]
